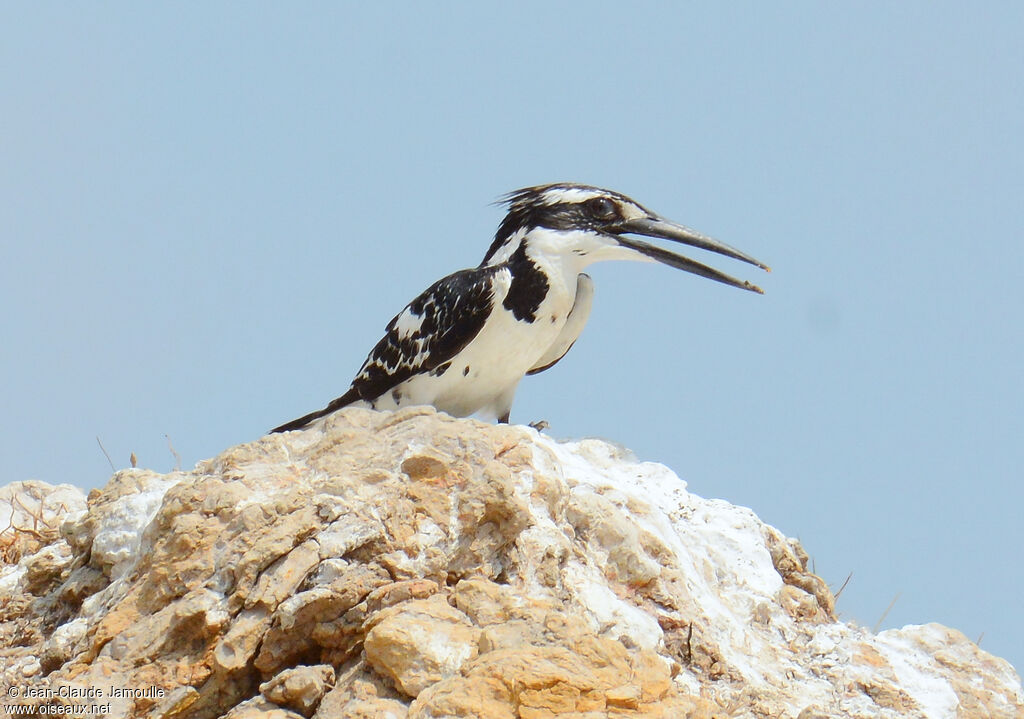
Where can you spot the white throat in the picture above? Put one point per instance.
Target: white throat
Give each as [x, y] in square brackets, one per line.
[572, 251]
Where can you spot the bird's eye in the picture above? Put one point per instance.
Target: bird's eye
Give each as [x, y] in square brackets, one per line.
[601, 208]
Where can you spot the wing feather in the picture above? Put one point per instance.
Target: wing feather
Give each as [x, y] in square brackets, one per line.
[431, 330]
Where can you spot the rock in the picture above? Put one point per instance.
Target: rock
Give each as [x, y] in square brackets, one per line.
[301, 688]
[111, 531]
[60, 645]
[408, 565]
[36, 509]
[31, 514]
[420, 642]
[176, 704]
[259, 708]
[361, 696]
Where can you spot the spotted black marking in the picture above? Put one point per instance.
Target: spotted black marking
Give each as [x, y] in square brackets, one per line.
[440, 369]
[465, 371]
[528, 289]
[450, 313]
[452, 310]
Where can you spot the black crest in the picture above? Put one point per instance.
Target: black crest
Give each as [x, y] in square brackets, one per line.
[533, 207]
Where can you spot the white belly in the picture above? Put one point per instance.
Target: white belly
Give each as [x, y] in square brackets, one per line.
[483, 377]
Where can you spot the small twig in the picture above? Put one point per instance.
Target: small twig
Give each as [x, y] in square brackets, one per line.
[848, 578]
[177, 457]
[29, 530]
[133, 460]
[689, 644]
[874, 629]
[37, 514]
[505, 449]
[980, 637]
[104, 449]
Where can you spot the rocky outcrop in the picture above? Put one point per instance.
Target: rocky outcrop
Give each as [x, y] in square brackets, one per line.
[410, 565]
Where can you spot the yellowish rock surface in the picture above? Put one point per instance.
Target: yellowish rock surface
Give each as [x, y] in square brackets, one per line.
[408, 565]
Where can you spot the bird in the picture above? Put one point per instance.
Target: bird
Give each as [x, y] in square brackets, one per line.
[464, 344]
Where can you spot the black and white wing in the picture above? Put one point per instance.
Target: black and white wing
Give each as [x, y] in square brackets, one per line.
[431, 330]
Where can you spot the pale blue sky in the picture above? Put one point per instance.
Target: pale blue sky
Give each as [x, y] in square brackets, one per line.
[209, 212]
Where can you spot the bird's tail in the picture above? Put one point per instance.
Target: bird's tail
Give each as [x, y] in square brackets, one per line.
[304, 421]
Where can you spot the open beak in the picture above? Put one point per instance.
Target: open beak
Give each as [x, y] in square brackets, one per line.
[654, 226]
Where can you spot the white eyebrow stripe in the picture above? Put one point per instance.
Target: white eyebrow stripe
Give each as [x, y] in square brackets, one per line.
[569, 194]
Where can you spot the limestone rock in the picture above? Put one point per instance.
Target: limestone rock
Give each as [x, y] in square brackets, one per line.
[409, 565]
[259, 708]
[301, 688]
[360, 695]
[420, 642]
[31, 514]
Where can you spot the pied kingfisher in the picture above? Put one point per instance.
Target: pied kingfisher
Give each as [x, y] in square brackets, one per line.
[466, 342]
